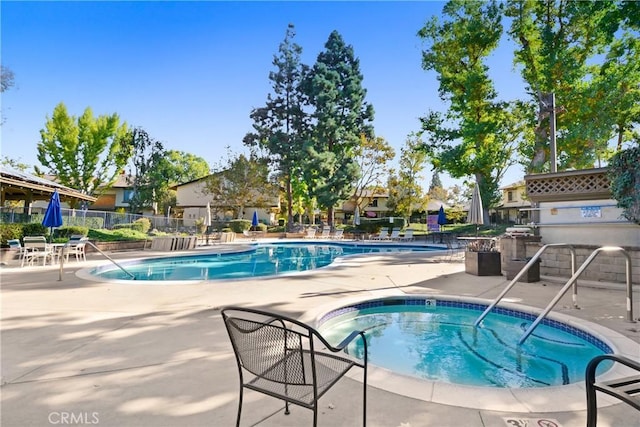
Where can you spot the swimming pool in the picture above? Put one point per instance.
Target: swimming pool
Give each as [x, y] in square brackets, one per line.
[258, 261]
[435, 339]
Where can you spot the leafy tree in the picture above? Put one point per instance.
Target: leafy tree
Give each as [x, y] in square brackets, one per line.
[477, 135]
[14, 164]
[340, 116]
[149, 185]
[239, 183]
[86, 153]
[405, 192]
[556, 41]
[179, 167]
[436, 191]
[372, 157]
[280, 126]
[7, 78]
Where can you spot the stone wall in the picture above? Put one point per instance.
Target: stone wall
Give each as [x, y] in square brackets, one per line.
[606, 267]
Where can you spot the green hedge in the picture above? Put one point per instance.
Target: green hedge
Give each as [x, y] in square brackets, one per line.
[66, 232]
[10, 231]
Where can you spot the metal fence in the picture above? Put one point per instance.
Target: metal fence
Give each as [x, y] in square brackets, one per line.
[96, 219]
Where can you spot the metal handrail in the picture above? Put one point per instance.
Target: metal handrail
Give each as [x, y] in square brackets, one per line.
[97, 249]
[574, 278]
[531, 262]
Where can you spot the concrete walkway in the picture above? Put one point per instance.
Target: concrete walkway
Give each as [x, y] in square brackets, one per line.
[88, 353]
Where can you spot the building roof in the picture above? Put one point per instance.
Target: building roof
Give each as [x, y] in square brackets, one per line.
[17, 185]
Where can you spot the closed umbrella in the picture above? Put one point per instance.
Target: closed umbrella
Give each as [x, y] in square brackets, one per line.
[356, 216]
[207, 216]
[254, 220]
[53, 215]
[442, 217]
[476, 213]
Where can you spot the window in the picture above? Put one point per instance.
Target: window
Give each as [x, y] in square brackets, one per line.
[510, 197]
[127, 195]
[374, 203]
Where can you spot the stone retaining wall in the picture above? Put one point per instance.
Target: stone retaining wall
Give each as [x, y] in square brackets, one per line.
[606, 267]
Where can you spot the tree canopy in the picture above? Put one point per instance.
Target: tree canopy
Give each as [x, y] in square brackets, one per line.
[86, 153]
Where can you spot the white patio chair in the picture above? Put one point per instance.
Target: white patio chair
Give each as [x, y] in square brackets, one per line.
[75, 246]
[311, 233]
[15, 244]
[338, 234]
[36, 247]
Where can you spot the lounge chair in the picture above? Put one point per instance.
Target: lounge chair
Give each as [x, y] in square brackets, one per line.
[395, 234]
[408, 236]
[326, 233]
[36, 247]
[383, 235]
[287, 359]
[338, 234]
[311, 233]
[249, 234]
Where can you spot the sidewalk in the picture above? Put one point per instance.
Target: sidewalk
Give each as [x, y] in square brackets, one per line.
[158, 355]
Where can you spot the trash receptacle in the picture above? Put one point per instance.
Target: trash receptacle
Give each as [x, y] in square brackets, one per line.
[515, 265]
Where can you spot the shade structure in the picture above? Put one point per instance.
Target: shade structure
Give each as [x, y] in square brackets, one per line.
[442, 217]
[53, 214]
[254, 220]
[356, 216]
[476, 213]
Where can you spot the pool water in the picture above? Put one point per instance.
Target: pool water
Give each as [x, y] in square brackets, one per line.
[263, 260]
[440, 343]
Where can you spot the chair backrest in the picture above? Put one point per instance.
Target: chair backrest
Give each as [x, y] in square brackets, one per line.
[311, 232]
[383, 233]
[408, 234]
[326, 231]
[14, 243]
[35, 242]
[261, 340]
[395, 233]
[338, 233]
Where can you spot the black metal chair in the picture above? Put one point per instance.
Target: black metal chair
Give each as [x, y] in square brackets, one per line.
[626, 389]
[286, 359]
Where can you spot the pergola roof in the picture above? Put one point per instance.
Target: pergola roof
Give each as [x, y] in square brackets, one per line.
[17, 185]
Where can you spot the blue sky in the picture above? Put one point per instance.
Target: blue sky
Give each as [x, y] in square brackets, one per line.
[189, 73]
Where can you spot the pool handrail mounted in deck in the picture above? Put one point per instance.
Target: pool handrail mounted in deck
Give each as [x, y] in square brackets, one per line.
[574, 279]
[97, 249]
[528, 265]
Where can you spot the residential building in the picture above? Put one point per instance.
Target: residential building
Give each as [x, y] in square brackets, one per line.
[514, 205]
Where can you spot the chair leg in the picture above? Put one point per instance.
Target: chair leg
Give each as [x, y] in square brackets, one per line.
[239, 407]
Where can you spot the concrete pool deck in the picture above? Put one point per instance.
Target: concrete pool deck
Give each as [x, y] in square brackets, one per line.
[158, 355]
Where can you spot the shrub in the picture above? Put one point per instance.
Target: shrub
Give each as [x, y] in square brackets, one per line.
[103, 235]
[66, 232]
[239, 225]
[34, 229]
[10, 231]
[624, 174]
[143, 223]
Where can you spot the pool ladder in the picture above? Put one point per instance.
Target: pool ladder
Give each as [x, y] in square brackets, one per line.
[573, 281]
[97, 249]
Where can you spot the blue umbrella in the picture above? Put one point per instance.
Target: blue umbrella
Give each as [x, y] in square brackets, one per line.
[53, 214]
[442, 218]
[254, 220]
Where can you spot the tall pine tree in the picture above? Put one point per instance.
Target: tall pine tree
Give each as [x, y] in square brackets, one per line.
[341, 115]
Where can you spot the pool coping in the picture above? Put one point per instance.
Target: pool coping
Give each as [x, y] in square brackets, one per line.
[517, 400]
